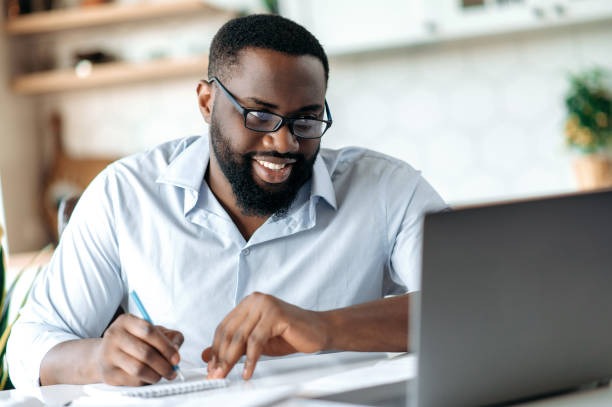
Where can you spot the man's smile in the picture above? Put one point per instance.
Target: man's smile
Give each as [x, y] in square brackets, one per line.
[272, 170]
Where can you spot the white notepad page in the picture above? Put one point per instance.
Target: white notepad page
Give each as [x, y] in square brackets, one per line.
[194, 381]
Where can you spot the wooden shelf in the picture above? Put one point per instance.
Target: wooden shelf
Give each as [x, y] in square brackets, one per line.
[111, 73]
[80, 17]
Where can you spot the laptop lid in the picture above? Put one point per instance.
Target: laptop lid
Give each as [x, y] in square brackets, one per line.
[516, 300]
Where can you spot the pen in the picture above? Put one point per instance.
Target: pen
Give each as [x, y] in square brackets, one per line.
[146, 316]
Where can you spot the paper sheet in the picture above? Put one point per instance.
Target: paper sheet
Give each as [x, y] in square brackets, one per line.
[384, 372]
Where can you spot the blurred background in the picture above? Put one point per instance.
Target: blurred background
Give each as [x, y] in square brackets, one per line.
[490, 99]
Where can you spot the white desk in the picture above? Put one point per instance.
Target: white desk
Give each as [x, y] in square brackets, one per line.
[292, 382]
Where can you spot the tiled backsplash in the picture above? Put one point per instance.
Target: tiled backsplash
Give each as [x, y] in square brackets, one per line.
[481, 118]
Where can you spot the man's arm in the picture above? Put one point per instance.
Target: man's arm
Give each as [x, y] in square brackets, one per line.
[263, 324]
[131, 352]
[376, 326]
[74, 298]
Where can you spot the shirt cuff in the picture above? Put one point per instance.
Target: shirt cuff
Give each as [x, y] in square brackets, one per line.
[25, 355]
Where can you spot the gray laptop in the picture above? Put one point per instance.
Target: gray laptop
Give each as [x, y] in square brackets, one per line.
[516, 304]
[516, 301]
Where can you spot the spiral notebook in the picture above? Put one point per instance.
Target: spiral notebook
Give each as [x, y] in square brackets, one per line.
[193, 382]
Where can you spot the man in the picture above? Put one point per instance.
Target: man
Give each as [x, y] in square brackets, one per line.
[253, 241]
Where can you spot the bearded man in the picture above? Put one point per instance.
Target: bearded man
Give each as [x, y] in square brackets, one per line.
[250, 241]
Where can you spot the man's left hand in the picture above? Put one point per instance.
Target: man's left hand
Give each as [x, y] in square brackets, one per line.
[263, 324]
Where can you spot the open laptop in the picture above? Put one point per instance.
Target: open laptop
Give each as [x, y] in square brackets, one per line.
[516, 304]
[516, 301]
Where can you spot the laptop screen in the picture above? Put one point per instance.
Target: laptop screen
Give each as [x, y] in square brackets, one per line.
[516, 300]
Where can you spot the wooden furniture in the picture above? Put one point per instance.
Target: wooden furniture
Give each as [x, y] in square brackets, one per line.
[60, 20]
[109, 13]
[111, 73]
[67, 177]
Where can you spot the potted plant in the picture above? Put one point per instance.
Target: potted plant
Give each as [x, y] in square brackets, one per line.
[3, 314]
[588, 128]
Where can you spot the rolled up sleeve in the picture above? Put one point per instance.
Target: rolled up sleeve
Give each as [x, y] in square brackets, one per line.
[408, 203]
[77, 294]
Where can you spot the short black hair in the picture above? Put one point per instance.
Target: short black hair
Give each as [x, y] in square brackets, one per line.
[267, 31]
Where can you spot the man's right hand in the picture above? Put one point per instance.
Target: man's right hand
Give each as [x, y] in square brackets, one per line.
[132, 352]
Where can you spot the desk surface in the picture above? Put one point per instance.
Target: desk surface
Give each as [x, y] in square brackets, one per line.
[304, 381]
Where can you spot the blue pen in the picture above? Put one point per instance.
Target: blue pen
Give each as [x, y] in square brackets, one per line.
[146, 316]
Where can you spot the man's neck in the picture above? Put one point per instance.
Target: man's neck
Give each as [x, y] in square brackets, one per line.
[221, 188]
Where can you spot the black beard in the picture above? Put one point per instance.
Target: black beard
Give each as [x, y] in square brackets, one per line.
[252, 199]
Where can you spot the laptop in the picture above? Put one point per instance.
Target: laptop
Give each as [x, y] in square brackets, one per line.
[516, 301]
[516, 304]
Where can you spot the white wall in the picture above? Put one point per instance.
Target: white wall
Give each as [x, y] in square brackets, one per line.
[481, 118]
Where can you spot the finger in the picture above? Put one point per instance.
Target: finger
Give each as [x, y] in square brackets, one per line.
[175, 337]
[144, 330]
[146, 354]
[119, 377]
[218, 367]
[255, 345]
[213, 363]
[136, 370]
[225, 330]
[232, 349]
[209, 358]
[207, 354]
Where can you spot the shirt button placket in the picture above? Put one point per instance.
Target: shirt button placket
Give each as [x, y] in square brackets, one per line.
[242, 277]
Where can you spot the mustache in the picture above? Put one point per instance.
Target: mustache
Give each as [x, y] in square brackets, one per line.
[292, 156]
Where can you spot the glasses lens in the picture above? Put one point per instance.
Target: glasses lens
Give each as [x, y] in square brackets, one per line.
[262, 121]
[309, 128]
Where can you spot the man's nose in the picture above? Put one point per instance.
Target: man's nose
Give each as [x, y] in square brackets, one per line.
[281, 141]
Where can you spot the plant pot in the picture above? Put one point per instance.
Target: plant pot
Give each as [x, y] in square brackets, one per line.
[593, 171]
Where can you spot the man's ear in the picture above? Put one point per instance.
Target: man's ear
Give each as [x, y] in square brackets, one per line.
[205, 99]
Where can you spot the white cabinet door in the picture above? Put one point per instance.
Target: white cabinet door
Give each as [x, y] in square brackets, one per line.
[456, 18]
[345, 26]
[583, 10]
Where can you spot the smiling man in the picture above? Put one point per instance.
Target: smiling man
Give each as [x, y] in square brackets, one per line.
[251, 241]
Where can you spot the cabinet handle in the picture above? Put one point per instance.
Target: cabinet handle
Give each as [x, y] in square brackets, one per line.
[559, 9]
[431, 27]
[538, 12]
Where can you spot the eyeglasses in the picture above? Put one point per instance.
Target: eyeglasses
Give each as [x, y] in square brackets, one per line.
[266, 122]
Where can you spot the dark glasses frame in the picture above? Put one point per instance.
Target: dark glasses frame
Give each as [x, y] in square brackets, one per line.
[283, 120]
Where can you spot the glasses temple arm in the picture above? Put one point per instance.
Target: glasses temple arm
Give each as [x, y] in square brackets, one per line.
[228, 94]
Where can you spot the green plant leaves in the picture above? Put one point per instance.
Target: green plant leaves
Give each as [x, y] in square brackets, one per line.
[589, 105]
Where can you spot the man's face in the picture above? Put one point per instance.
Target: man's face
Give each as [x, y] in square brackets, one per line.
[266, 170]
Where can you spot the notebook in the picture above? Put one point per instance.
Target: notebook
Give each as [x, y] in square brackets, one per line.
[194, 381]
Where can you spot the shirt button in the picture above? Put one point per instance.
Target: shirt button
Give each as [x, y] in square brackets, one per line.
[246, 252]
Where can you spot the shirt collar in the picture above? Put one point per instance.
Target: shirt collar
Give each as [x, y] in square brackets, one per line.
[322, 184]
[187, 169]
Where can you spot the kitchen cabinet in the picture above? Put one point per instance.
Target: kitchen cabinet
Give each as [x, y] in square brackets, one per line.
[577, 10]
[461, 18]
[346, 26]
[352, 26]
[41, 25]
[477, 17]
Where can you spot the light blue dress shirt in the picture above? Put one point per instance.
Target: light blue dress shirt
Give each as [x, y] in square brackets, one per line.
[150, 223]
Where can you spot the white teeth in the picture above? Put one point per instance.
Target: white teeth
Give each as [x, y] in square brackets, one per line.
[272, 166]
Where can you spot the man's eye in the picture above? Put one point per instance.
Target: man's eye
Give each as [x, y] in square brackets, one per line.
[263, 116]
